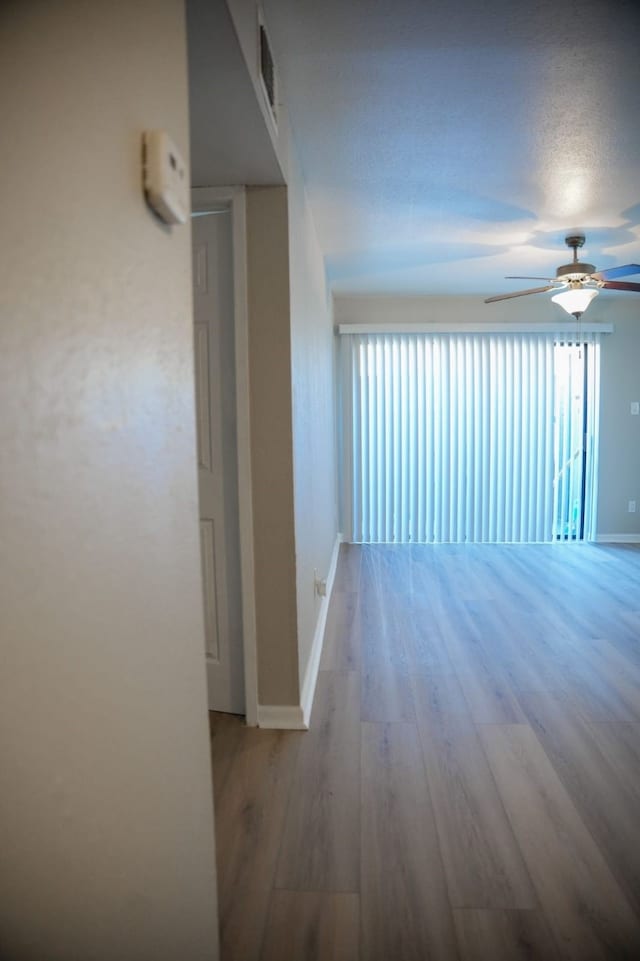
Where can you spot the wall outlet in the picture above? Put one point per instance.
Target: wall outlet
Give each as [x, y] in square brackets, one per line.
[319, 585]
[635, 408]
[632, 507]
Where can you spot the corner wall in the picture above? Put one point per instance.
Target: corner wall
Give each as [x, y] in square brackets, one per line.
[292, 404]
[292, 434]
[272, 445]
[106, 817]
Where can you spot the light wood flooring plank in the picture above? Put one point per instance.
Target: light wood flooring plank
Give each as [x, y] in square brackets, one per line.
[461, 570]
[609, 809]
[424, 646]
[619, 672]
[382, 622]
[249, 818]
[391, 567]
[437, 699]
[312, 926]
[482, 861]
[348, 568]
[631, 621]
[605, 692]
[320, 843]
[385, 687]
[480, 672]
[341, 650]
[386, 696]
[225, 736]
[504, 579]
[585, 907]
[504, 936]
[526, 651]
[620, 744]
[405, 913]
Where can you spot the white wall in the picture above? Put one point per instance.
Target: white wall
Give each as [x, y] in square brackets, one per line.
[619, 383]
[316, 510]
[106, 824]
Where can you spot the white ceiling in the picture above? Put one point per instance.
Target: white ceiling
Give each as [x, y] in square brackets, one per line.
[447, 144]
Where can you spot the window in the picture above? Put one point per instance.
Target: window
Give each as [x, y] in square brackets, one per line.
[469, 437]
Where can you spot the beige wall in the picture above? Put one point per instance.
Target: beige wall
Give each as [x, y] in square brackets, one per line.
[105, 800]
[292, 431]
[619, 383]
[272, 444]
[619, 430]
[292, 405]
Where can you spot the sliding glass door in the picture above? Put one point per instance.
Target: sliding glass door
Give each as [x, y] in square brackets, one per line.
[468, 437]
[575, 414]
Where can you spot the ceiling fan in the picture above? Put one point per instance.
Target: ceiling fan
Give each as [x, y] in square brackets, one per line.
[577, 283]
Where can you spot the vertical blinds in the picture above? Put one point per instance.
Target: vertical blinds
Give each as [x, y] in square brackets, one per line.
[449, 437]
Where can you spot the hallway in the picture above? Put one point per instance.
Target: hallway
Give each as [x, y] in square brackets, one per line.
[470, 785]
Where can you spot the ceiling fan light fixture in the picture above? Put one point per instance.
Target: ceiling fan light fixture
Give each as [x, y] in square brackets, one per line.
[577, 283]
[576, 299]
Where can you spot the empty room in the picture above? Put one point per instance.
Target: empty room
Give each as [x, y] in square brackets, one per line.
[320, 481]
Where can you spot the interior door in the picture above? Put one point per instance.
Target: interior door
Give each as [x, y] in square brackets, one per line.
[217, 458]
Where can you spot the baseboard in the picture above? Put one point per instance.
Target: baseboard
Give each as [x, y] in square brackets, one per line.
[285, 717]
[294, 717]
[313, 665]
[618, 539]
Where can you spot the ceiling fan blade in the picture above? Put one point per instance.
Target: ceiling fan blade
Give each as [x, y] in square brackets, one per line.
[519, 293]
[616, 285]
[610, 273]
[548, 279]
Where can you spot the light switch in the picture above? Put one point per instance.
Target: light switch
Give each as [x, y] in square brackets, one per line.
[166, 184]
[635, 407]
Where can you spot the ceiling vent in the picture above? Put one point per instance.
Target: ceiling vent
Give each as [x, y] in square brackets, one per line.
[267, 67]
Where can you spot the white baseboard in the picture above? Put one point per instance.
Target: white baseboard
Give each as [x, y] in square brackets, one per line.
[285, 717]
[294, 717]
[313, 665]
[618, 539]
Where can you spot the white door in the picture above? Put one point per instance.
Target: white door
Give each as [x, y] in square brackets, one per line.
[217, 458]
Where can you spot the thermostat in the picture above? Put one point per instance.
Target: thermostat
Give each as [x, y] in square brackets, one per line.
[166, 184]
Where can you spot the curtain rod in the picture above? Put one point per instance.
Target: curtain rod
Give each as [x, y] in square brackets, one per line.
[561, 327]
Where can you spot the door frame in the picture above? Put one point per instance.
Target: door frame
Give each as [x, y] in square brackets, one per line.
[204, 199]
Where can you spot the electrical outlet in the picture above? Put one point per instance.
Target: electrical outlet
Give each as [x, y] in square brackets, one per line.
[635, 408]
[632, 507]
[319, 585]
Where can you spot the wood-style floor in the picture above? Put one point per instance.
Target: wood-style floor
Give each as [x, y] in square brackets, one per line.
[470, 786]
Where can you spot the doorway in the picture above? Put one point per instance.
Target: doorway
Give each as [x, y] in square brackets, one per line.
[217, 457]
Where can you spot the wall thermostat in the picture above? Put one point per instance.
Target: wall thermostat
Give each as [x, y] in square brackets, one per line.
[166, 184]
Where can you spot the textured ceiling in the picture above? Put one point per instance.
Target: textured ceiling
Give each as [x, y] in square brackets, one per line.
[445, 145]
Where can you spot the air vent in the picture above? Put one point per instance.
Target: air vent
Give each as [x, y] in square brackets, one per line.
[268, 70]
